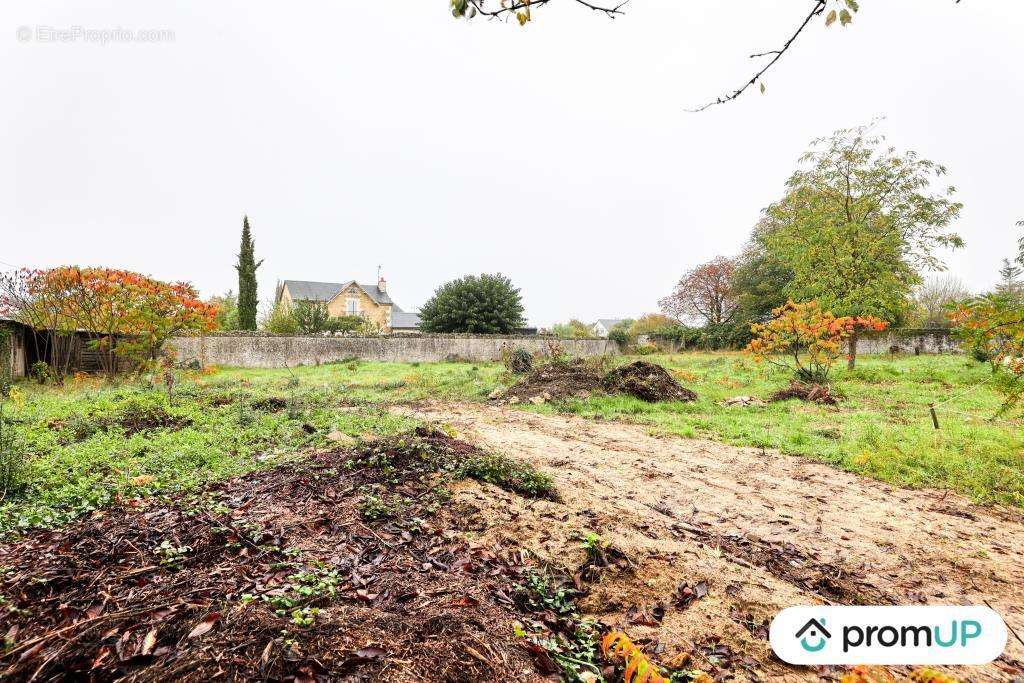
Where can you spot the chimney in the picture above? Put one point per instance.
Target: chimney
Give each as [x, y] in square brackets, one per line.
[382, 284]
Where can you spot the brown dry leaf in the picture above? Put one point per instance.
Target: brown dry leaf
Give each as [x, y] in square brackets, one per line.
[466, 601]
[204, 626]
[143, 480]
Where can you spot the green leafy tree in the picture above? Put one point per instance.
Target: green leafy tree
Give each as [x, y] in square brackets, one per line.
[246, 267]
[574, 329]
[484, 303]
[227, 311]
[1010, 276]
[651, 322]
[857, 225]
[280, 320]
[1020, 245]
[760, 280]
[311, 316]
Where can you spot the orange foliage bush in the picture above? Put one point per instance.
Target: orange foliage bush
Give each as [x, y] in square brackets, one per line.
[124, 314]
[808, 337]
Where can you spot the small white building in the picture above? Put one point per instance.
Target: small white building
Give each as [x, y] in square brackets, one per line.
[603, 326]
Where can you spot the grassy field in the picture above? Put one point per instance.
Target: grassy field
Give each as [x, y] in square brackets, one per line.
[882, 429]
[90, 445]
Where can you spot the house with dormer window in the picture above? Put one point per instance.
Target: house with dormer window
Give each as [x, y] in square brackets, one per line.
[352, 299]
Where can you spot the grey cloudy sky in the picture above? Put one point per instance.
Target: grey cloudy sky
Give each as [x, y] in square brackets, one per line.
[365, 133]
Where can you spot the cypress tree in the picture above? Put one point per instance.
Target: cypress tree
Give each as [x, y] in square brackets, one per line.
[246, 268]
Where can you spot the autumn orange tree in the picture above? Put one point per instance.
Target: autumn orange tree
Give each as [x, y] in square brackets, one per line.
[807, 339]
[123, 314]
[993, 327]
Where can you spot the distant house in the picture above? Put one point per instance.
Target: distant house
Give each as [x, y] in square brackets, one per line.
[603, 326]
[352, 298]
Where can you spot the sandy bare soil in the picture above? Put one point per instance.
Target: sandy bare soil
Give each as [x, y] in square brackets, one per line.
[764, 531]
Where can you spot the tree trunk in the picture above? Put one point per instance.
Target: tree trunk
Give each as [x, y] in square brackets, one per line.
[851, 358]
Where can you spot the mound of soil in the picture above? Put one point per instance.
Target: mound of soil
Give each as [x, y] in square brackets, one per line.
[270, 404]
[280, 575]
[133, 423]
[556, 380]
[812, 393]
[646, 381]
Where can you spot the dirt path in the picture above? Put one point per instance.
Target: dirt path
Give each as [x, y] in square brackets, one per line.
[764, 531]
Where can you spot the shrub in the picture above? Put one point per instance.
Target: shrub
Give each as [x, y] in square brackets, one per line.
[518, 361]
[620, 337]
[41, 372]
[574, 329]
[709, 337]
[476, 303]
[143, 411]
[13, 463]
[992, 327]
[344, 323]
[310, 316]
[646, 349]
[808, 336]
[280, 320]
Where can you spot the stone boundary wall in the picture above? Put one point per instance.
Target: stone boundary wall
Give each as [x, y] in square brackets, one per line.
[908, 340]
[248, 350]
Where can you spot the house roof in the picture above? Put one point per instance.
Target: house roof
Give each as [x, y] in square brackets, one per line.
[609, 323]
[374, 292]
[402, 320]
[305, 290]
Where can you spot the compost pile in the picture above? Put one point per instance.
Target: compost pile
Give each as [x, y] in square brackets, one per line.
[810, 392]
[647, 382]
[558, 379]
[577, 378]
[335, 569]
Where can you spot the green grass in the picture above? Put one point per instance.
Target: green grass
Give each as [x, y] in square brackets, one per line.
[91, 446]
[86, 451]
[882, 429]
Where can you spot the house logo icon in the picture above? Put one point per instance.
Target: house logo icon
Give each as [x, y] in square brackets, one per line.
[815, 632]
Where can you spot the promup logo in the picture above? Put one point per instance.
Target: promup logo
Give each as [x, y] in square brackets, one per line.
[887, 635]
[815, 632]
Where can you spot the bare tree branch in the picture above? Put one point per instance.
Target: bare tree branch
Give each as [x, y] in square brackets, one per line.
[819, 7]
[610, 10]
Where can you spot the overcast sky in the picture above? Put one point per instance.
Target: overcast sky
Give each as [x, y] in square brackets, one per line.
[387, 132]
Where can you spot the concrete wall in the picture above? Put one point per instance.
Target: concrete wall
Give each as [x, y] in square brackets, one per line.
[911, 341]
[278, 351]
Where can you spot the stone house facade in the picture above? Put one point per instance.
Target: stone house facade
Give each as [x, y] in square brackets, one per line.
[351, 299]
